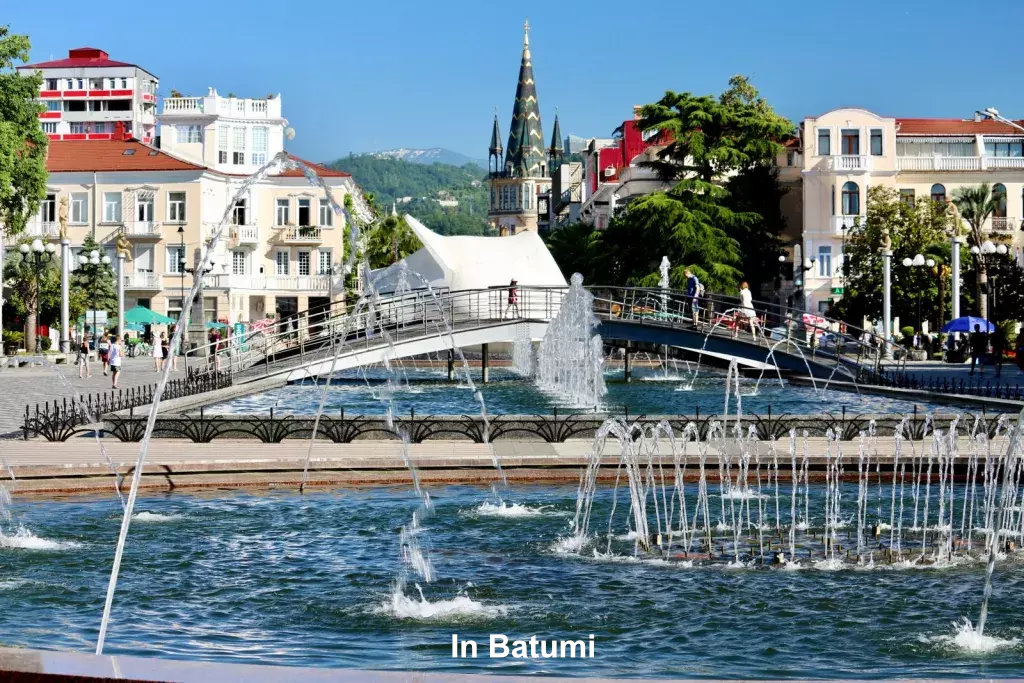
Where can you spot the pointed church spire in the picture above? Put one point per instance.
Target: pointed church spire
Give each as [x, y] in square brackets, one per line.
[525, 148]
[495, 148]
[555, 150]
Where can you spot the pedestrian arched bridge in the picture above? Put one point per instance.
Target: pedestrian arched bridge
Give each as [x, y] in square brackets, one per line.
[421, 322]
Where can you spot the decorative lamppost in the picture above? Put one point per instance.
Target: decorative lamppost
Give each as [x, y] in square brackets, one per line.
[984, 253]
[37, 256]
[93, 266]
[919, 261]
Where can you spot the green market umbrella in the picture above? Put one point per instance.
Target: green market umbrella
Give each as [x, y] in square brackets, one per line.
[143, 316]
[215, 326]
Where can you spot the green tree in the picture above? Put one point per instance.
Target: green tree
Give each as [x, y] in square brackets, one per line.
[95, 284]
[390, 240]
[22, 291]
[917, 228]
[576, 248]
[22, 141]
[976, 205]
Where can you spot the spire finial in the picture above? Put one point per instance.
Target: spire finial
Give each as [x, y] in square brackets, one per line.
[526, 33]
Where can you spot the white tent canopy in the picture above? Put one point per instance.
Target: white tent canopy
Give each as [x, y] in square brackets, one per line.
[465, 262]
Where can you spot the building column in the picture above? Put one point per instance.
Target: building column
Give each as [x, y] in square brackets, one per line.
[955, 265]
[484, 372]
[120, 293]
[65, 293]
[887, 302]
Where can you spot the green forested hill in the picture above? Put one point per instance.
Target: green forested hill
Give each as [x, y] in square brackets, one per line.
[392, 180]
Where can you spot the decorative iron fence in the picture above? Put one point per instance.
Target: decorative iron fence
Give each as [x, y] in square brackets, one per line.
[554, 428]
[60, 420]
[944, 385]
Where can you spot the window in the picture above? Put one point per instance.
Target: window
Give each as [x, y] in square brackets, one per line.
[326, 215]
[303, 258]
[174, 308]
[876, 142]
[50, 128]
[324, 262]
[222, 144]
[80, 83]
[238, 145]
[48, 209]
[238, 262]
[281, 262]
[907, 197]
[1004, 149]
[187, 134]
[176, 207]
[96, 105]
[71, 84]
[99, 127]
[74, 105]
[124, 82]
[850, 141]
[999, 197]
[824, 142]
[51, 84]
[79, 207]
[281, 213]
[111, 207]
[259, 145]
[144, 210]
[790, 158]
[142, 254]
[53, 105]
[77, 128]
[526, 196]
[238, 212]
[304, 212]
[175, 259]
[959, 148]
[209, 309]
[938, 193]
[851, 199]
[824, 261]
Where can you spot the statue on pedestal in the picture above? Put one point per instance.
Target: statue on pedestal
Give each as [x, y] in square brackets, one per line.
[124, 247]
[956, 221]
[886, 241]
[62, 217]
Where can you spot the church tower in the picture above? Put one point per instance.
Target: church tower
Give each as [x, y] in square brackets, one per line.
[517, 184]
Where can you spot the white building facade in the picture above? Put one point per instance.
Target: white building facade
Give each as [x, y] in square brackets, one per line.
[88, 96]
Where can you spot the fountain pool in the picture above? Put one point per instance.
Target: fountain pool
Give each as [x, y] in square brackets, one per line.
[283, 578]
[426, 391]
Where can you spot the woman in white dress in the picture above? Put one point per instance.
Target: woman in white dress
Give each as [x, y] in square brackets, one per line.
[158, 354]
[746, 312]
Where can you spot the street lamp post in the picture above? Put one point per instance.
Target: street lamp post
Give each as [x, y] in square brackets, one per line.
[982, 254]
[93, 266]
[918, 261]
[37, 256]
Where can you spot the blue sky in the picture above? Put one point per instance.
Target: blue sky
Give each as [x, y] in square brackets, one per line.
[359, 76]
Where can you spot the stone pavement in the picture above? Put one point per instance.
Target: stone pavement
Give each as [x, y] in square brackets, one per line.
[33, 384]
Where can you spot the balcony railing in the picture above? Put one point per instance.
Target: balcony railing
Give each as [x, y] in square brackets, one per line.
[148, 281]
[1003, 224]
[1003, 162]
[838, 223]
[290, 283]
[849, 162]
[305, 234]
[246, 234]
[143, 229]
[183, 105]
[944, 163]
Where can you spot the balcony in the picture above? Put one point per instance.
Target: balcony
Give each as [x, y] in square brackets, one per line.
[943, 163]
[261, 283]
[838, 222]
[305, 234]
[246, 235]
[183, 105]
[1005, 224]
[845, 163]
[143, 230]
[143, 281]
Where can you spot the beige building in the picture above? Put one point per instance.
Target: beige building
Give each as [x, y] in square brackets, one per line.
[846, 151]
[275, 257]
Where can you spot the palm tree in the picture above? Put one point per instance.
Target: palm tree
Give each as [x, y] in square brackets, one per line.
[976, 205]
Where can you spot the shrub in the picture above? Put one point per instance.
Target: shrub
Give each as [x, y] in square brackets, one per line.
[45, 343]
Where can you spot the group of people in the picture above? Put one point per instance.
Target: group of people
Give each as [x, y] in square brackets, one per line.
[162, 351]
[110, 351]
[744, 314]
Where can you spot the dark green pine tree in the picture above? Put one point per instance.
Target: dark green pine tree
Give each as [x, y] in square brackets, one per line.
[95, 282]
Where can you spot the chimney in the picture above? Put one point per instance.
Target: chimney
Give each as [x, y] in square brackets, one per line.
[636, 112]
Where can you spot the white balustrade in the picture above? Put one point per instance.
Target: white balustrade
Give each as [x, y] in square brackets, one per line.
[149, 281]
[183, 105]
[849, 162]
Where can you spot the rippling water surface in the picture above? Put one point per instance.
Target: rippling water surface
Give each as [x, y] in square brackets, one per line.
[652, 392]
[281, 578]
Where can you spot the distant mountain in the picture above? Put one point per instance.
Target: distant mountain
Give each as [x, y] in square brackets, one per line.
[449, 199]
[438, 155]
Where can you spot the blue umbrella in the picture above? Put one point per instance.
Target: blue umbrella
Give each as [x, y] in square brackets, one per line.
[967, 323]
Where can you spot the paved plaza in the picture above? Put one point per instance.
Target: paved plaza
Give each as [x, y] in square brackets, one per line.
[33, 384]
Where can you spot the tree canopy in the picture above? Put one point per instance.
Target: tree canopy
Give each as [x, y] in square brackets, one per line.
[22, 141]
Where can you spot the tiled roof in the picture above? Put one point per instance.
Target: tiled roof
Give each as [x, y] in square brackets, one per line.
[954, 127]
[66, 156]
[319, 169]
[78, 57]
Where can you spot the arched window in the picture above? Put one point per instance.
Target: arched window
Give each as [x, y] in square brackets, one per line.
[939, 193]
[999, 195]
[851, 199]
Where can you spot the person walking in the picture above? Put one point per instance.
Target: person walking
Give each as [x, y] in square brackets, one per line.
[173, 358]
[998, 346]
[158, 355]
[746, 311]
[84, 372]
[693, 291]
[513, 300]
[104, 350]
[165, 347]
[979, 347]
[114, 355]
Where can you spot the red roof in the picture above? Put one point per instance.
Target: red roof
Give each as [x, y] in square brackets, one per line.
[66, 156]
[954, 127]
[78, 57]
[319, 169]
